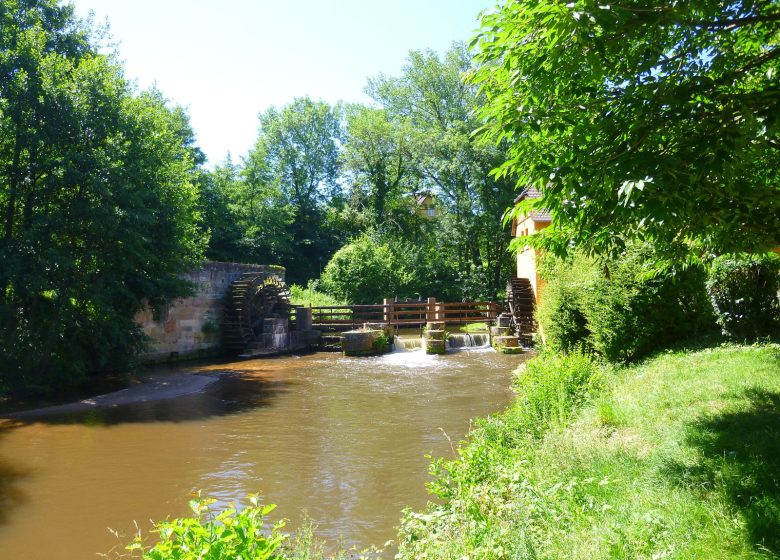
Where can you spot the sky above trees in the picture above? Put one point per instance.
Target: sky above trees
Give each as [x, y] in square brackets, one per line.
[228, 61]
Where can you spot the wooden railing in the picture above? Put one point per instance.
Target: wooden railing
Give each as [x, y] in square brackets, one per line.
[403, 313]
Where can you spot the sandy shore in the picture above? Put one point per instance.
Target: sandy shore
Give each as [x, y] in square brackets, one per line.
[151, 388]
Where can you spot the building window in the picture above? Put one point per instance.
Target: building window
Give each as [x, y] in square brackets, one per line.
[431, 212]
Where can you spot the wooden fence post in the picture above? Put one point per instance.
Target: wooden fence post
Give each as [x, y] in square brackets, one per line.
[388, 311]
[430, 310]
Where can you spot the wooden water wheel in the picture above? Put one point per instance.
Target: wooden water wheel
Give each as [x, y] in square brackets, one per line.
[521, 301]
[250, 300]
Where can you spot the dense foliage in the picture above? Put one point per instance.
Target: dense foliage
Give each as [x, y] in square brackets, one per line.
[366, 271]
[97, 198]
[311, 296]
[645, 119]
[623, 310]
[745, 292]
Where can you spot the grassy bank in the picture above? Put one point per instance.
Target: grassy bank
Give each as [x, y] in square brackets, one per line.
[678, 457]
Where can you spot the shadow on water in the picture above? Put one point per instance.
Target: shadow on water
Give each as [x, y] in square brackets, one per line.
[740, 457]
[11, 496]
[237, 389]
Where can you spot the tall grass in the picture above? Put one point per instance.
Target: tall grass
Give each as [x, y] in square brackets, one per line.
[309, 296]
[675, 458]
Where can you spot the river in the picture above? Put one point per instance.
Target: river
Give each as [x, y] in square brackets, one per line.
[342, 438]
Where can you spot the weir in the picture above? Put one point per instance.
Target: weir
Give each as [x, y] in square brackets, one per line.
[407, 343]
[468, 340]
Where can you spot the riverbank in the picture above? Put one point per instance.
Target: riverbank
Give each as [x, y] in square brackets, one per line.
[674, 458]
[149, 387]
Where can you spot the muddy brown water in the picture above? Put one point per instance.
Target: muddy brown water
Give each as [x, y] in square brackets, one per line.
[344, 439]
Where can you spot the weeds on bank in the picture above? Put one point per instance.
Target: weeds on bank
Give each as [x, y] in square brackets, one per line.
[234, 534]
[674, 458]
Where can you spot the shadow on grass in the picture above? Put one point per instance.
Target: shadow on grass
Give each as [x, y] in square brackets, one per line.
[739, 457]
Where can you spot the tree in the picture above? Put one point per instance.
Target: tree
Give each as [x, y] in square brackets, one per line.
[300, 144]
[217, 218]
[98, 203]
[645, 119]
[376, 156]
[298, 151]
[432, 97]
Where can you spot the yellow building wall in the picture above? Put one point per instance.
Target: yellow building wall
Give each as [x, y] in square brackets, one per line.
[424, 206]
[527, 258]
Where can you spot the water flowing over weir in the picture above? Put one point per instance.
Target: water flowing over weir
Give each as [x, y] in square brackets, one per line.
[468, 340]
[344, 438]
[406, 343]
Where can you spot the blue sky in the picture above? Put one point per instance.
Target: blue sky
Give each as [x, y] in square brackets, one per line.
[227, 61]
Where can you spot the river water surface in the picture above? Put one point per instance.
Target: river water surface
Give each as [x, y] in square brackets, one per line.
[343, 438]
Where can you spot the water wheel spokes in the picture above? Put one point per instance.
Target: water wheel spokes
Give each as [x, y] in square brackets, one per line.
[522, 303]
[251, 300]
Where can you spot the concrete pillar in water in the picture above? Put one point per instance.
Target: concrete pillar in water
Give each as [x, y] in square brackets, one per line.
[303, 318]
[507, 344]
[500, 331]
[435, 341]
[364, 343]
[384, 327]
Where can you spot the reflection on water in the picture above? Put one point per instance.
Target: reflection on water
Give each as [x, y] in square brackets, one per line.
[343, 438]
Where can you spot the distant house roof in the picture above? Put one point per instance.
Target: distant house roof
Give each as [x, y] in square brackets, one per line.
[528, 192]
[536, 215]
[421, 197]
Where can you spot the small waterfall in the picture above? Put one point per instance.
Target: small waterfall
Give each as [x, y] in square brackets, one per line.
[407, 344]
[468, 340]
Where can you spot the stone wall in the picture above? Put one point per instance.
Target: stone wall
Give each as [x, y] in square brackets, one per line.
[189, 328]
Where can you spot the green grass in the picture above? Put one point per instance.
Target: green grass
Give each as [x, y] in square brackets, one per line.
[309, 297]
[678, 457]
[474, 328]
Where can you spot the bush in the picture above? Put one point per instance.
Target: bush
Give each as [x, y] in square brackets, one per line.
[552, 386]
[561, 313]
[229, 535]
[365, 271]
[744, 293]
[311, 295]
[623, 310]
[638, 310]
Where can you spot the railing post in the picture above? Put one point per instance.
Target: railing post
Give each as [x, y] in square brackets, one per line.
[430, 310]
[388, 311]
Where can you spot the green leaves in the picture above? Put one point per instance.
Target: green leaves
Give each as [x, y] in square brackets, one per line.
[678, 93]
[97, 201]
[227, 535]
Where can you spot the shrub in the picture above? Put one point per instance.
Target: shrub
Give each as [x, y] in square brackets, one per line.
[229, 535]
[623, 310]
[552, 385]
[638, 309]
[561, 313]
[311, 295]
[365, 271]
[487, 505]
[744, 293]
